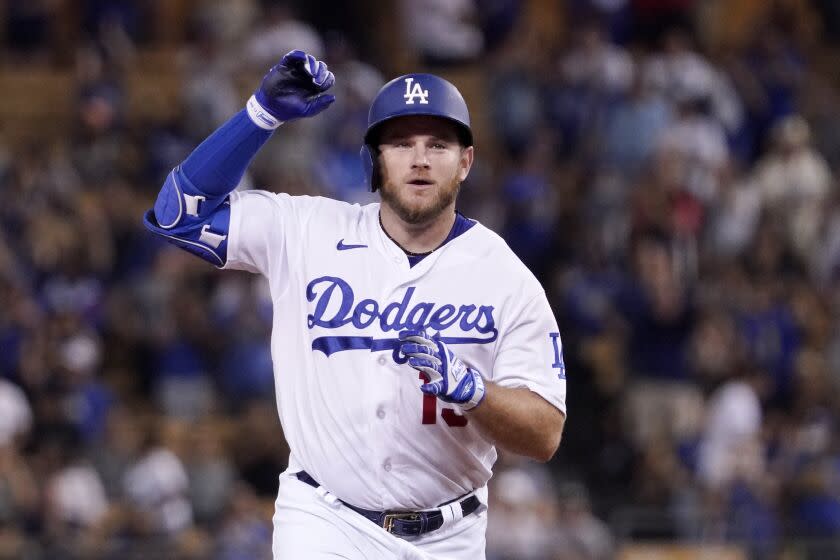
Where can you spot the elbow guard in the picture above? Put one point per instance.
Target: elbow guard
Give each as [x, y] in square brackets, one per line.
[191, 220]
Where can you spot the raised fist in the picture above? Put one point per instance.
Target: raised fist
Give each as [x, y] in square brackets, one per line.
[293, 89]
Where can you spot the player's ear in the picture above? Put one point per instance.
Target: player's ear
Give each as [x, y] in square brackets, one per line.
[465, 163]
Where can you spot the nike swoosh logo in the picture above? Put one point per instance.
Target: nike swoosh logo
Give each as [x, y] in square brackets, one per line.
[342, 247]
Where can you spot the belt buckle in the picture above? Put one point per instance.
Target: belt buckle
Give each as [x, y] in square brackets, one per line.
[389, 518]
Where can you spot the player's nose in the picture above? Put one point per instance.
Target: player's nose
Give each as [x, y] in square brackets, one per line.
[420, 156]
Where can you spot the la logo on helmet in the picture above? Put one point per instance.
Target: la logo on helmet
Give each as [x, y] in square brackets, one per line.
[415, 91]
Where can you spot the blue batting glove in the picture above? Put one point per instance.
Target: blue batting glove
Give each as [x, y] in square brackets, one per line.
[293, 89]
[448, 378]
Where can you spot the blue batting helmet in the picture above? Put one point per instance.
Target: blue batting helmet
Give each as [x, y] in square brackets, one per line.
[413, 94]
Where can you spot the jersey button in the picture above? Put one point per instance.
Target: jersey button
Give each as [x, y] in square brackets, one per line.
[382, 360]
[387, 465]
[380, 412]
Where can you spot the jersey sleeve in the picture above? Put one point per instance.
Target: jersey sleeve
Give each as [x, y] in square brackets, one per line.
[530, 353]
[263, 227]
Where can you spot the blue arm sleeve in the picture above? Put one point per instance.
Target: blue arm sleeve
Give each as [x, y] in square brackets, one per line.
[216, 166]
[189, 210]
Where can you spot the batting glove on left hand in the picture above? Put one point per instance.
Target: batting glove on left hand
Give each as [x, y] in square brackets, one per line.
[295, 87]
[447, 376]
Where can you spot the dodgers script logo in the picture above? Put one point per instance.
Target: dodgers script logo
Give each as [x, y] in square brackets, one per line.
[336, 306]
[416, 91]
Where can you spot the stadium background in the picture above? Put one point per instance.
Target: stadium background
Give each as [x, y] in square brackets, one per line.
[668, 168]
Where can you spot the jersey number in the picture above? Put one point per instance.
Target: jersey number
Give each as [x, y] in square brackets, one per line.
[452, 418]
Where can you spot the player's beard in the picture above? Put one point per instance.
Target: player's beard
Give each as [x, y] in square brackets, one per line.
[414, 212]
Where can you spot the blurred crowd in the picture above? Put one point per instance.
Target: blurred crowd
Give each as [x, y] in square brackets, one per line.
[668, 169]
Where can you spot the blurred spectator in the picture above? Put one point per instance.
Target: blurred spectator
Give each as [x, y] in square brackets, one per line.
[118, 450]
[752, 515]
[245, 532]
[684, 75]
[595, 65]
[19, 493]
[442, 31]
[779, 65]
[75, 499]
[794, 181]
[819, 106]
[659, 310]
[772, 338]
[278, 31]
[16, 419]
[157, 488]
[360, 80]
[593, 75]
[516, 105]
[338, 168]
[245, 370]
[769, 74]
[523, 516]
[696, 147]
[209, 97]
[210, 472]
[183, 386]
[631, 128]
[825, 259]
[86, 399]
[259, 465]
[129, 16]
[498, 20]
[716, 350]
[731, 446]
[734, 215]
[817, 499]
[531, 203]
[614, 14]
[99, 148]
[229, 21]
[582, 536]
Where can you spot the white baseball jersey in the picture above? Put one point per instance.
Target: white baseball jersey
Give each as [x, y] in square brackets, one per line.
[350, 408]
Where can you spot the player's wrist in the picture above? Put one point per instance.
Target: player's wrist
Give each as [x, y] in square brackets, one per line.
[478, 394]
[261, 116]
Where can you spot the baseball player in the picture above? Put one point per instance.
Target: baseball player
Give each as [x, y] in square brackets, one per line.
[408, 340]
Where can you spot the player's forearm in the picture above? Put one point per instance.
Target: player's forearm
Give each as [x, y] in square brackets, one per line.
[519, 421]
[216, 166]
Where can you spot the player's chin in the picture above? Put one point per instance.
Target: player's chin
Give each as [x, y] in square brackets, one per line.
[417, 206]
[418, 213]
[417, 198]
[415, 211]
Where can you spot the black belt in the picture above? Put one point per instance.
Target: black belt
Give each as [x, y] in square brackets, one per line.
[403, 523]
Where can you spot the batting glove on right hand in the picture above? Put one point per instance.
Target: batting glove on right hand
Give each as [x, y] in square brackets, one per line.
[447, 377]
[294, 89]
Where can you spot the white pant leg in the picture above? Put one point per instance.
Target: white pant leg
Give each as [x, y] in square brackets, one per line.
[307, 526]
